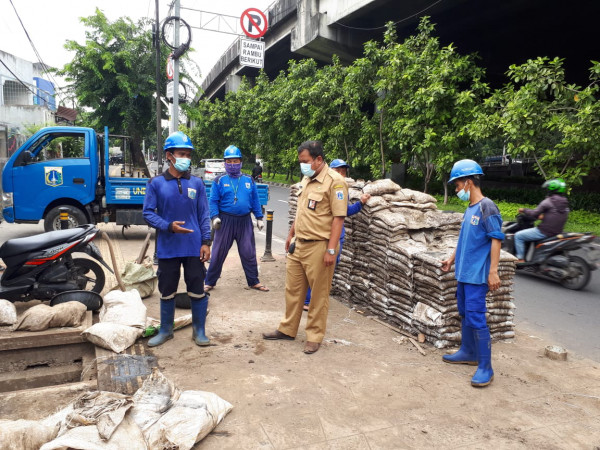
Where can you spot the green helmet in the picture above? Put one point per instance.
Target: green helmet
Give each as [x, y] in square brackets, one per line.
[555, 186]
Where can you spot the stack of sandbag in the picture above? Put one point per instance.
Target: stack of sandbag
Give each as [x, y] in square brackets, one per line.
[436, 314]
[293, 202]
[500, 303]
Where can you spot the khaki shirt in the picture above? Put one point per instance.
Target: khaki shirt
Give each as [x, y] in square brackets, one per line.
[320, 200]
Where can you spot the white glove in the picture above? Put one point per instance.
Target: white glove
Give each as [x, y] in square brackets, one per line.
[216, 223]
[260, 224]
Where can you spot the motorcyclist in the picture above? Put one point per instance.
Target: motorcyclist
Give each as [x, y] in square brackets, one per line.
[553, 211]
[257, 172]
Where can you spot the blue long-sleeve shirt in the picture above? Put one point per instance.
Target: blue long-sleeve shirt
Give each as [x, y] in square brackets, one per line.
[226, 189]
[169, 199]
[482, 222]
[353, 208]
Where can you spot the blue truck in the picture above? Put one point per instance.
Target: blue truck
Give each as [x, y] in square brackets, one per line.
[68, 167]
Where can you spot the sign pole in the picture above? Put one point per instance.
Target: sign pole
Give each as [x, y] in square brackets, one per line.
[175, 107]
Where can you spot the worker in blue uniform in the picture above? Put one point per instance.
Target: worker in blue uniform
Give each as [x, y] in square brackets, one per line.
[476, 260]
[176, 205]
[341, 167]
[233, 197]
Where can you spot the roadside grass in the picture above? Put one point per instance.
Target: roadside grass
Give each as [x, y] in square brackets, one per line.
[579, 221]
[276, 178]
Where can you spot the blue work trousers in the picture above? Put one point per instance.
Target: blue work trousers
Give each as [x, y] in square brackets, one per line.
[240, 230]
[470, 299]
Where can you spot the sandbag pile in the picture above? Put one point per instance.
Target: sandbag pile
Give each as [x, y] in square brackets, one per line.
[390, 264]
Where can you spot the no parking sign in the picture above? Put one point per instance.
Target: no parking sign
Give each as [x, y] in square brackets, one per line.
[254, 23]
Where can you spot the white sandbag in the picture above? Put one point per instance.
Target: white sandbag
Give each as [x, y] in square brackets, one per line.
[112, 336]
[124, 308]
[8, 313]
[427, 315]
[190, 419]
[106, 410]
[156, 396]
[127, 436]
[68, 314]
[25, 434]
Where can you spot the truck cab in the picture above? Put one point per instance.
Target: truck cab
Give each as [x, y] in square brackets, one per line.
[70, 168]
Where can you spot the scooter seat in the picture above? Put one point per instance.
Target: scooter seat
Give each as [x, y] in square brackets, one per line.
[28, 244]
[559, 236]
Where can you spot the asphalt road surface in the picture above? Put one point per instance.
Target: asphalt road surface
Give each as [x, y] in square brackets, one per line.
[567, 318]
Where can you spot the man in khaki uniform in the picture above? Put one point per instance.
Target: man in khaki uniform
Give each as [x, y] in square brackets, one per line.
[322, 206]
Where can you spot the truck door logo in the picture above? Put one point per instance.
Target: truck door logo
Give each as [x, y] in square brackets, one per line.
[53, 176]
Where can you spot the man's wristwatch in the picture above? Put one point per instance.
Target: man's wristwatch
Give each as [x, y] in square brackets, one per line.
[331, 251]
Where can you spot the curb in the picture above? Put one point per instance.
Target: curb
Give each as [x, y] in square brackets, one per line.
[273, 183]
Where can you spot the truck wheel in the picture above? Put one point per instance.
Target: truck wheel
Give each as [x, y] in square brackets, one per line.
[52, 220]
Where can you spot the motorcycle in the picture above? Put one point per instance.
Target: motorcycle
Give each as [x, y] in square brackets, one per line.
[43, 267]
[553, 258]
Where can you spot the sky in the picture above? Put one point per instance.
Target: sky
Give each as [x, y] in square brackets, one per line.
[50, 23]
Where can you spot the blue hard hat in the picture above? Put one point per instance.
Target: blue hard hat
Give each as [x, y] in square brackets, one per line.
[232, 152]
[178, 140]
[464, 168]
[339, 163]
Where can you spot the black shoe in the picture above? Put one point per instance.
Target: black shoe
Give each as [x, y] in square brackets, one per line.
[277, 335]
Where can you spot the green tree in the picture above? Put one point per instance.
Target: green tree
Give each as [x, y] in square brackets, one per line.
[428, 96]
[113, 74]
[543, 117]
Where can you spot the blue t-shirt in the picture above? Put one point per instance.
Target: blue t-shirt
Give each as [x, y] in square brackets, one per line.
[169, 199]
[481, 223]
[226, 189]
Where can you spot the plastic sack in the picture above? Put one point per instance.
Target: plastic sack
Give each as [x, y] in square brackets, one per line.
[8, 313]
[127, 436]
[190, 419]
[106, 410]
[25, 434]
[170, 419]
[41, 317]
[112, 336]
[124, 308]
[140, 277]
[156, 396]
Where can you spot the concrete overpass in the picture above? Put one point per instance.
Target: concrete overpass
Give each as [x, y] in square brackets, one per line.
[502, 32]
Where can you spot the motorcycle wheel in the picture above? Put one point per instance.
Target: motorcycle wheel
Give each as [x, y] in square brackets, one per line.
[85, 280]
[578, 266]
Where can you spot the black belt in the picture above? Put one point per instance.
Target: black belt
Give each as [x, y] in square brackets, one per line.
[311, 240]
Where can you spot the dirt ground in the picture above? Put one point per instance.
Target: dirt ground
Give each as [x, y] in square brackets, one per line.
[367, 387]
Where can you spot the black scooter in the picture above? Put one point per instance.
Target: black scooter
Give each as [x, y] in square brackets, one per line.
[42, 266]
[552, 258]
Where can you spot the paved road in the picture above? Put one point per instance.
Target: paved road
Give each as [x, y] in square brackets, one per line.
[567, 318]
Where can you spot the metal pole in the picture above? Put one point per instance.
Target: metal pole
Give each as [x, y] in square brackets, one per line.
[268, 256]
[64, 218]
[175, 109]
[159, 155]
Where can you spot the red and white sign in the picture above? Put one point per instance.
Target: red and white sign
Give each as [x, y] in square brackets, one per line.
[170, 69]
[254, 23]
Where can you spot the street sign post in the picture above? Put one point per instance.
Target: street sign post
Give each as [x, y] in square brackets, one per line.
[252, 53]
[254, 23]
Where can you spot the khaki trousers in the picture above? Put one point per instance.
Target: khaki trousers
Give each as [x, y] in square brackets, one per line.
[305, 268]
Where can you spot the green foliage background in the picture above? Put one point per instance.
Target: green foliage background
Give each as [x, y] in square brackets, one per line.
[415, 102]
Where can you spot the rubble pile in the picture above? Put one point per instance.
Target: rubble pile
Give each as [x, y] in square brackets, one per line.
[390, 264]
